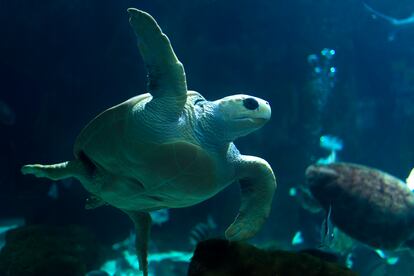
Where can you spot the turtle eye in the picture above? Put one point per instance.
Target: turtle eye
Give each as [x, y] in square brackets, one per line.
[198, 100]
[250, 103]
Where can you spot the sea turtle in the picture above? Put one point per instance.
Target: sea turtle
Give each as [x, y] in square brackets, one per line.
[169, 148]
[369, 205]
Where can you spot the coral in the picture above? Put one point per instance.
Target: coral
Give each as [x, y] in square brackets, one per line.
[50, 250]
[220, 257]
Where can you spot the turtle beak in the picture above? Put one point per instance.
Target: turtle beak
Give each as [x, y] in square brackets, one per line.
[241, 114]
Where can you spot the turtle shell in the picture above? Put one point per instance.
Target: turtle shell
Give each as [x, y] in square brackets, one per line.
[145, 171]
[98, 133]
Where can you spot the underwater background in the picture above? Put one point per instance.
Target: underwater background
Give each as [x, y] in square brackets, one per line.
[328, 68]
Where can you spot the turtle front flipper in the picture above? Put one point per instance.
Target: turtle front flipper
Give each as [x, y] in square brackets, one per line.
[166, 76]
[257, 184]
[142, 223]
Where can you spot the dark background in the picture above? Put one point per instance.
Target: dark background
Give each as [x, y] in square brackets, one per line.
[63, 62]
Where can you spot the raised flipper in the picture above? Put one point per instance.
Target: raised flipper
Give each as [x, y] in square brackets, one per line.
[257, 184]
[166, 76]
[142, 223]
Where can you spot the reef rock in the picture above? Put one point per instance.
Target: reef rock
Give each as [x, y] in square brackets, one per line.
[224, 258]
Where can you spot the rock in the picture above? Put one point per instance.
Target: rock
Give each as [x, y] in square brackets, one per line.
[221, 257]
[50, 250]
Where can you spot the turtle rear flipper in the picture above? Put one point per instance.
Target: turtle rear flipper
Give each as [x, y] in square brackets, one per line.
[55, 172]
[81, 169]
[142, 223]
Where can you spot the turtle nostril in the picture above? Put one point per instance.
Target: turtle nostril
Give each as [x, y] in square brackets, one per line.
[250, 103]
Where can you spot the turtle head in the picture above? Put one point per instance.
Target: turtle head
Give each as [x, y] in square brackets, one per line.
[231, 117]
[239, 115]
[242, 114]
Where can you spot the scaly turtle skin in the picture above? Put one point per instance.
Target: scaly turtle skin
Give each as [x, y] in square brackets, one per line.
[369, 205]
[169, 148]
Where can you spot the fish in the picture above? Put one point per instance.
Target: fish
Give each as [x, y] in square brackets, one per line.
[333, 145]
[127, 244]
[297, 238]
[160, 217]
[389, 258]
[369, 205]
[327, 230]
[335, 242]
